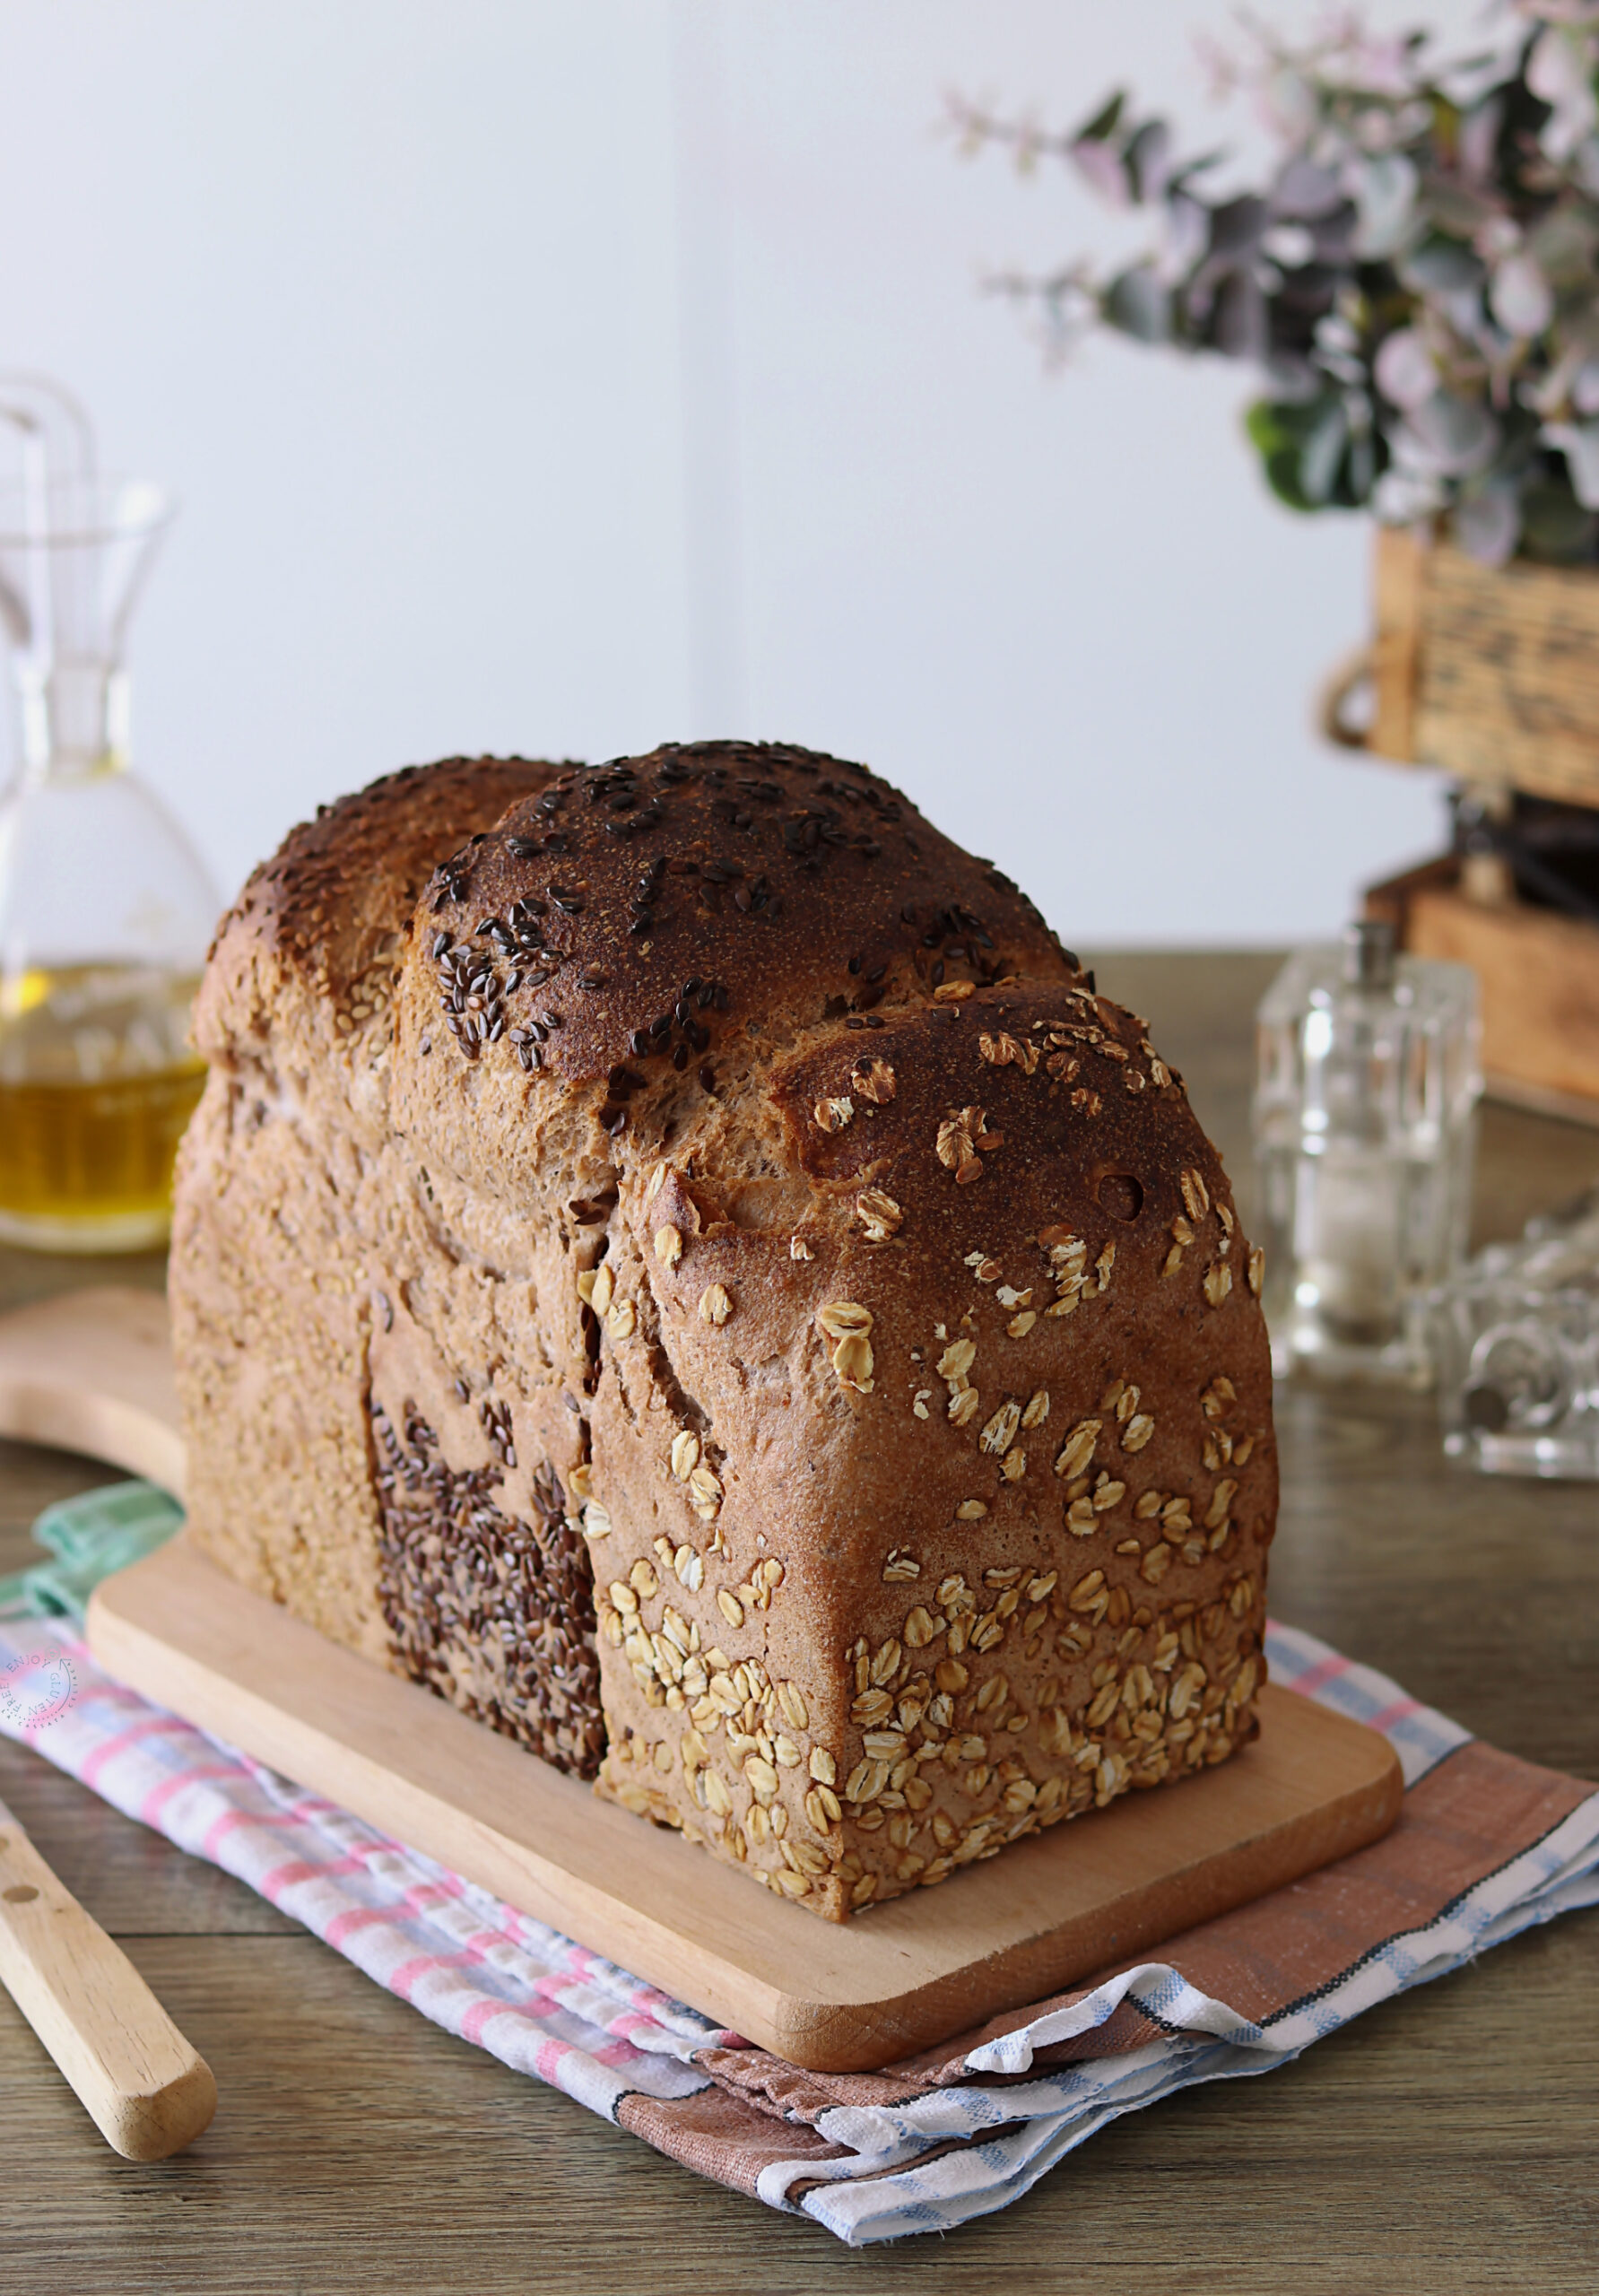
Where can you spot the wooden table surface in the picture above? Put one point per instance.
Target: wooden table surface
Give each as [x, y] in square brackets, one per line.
[1447, 2142]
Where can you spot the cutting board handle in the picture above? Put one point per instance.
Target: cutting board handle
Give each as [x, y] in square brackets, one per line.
[92, 1371]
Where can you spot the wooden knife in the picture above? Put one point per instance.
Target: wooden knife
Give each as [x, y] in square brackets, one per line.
[146, 2090]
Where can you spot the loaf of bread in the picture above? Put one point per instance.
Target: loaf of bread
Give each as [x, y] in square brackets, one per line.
[675, 1256]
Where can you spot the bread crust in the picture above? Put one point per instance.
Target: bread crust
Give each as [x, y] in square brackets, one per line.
[289, 1173]
[751, 1194]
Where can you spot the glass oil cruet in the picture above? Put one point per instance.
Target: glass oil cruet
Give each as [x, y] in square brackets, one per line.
[105, 909]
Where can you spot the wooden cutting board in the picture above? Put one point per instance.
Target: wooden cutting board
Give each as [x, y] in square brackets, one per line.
[86, 1373]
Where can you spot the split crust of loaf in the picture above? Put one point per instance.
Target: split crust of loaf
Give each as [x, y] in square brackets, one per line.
[675, 1256]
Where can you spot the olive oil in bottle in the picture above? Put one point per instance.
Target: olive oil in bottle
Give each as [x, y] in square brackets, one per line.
[104, 908]
[97, 1081]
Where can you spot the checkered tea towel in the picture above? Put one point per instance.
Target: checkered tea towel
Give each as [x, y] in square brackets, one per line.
[1486, 1845]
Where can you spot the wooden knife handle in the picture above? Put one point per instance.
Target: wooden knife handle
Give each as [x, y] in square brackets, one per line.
[144, 2088]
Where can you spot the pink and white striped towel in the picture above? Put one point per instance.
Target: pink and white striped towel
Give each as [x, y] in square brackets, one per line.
[1486, 1846]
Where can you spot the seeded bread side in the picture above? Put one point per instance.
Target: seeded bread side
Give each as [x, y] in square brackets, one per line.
[923, 1397]
[289, 1178]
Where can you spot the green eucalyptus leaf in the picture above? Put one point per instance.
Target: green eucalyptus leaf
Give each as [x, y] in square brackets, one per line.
[1105, 121]
[1458, 210]
[1362, 467]
[1321, 458]
[1384, 188]
[1184, 172]
[1440, 266]
[1555, 527]
[1139, 303]
[1306, 192]
[1276, 429]
[1236, 225]
[1240, 321]
[1148, 156]
[1451, 437]
[1488, 523]
[1564, 243]
[1579, 443]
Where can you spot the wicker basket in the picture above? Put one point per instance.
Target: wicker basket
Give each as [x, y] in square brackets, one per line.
[1493, 674]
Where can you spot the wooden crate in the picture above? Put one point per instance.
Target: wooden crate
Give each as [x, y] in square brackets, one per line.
[1538, 975]
[1490, 672]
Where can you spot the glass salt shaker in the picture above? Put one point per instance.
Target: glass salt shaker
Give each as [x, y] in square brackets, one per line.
[1365, 1134]
[1517, 1335]
[105, 909]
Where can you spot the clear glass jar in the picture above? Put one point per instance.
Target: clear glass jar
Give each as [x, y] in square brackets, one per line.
[1365, 1135]
[1519, 1350]
[106, 911]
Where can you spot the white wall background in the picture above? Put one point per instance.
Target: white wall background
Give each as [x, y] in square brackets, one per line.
[570, 375]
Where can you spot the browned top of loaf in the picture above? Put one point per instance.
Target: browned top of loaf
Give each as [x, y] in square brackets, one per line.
[797, 886]
[311, 943]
